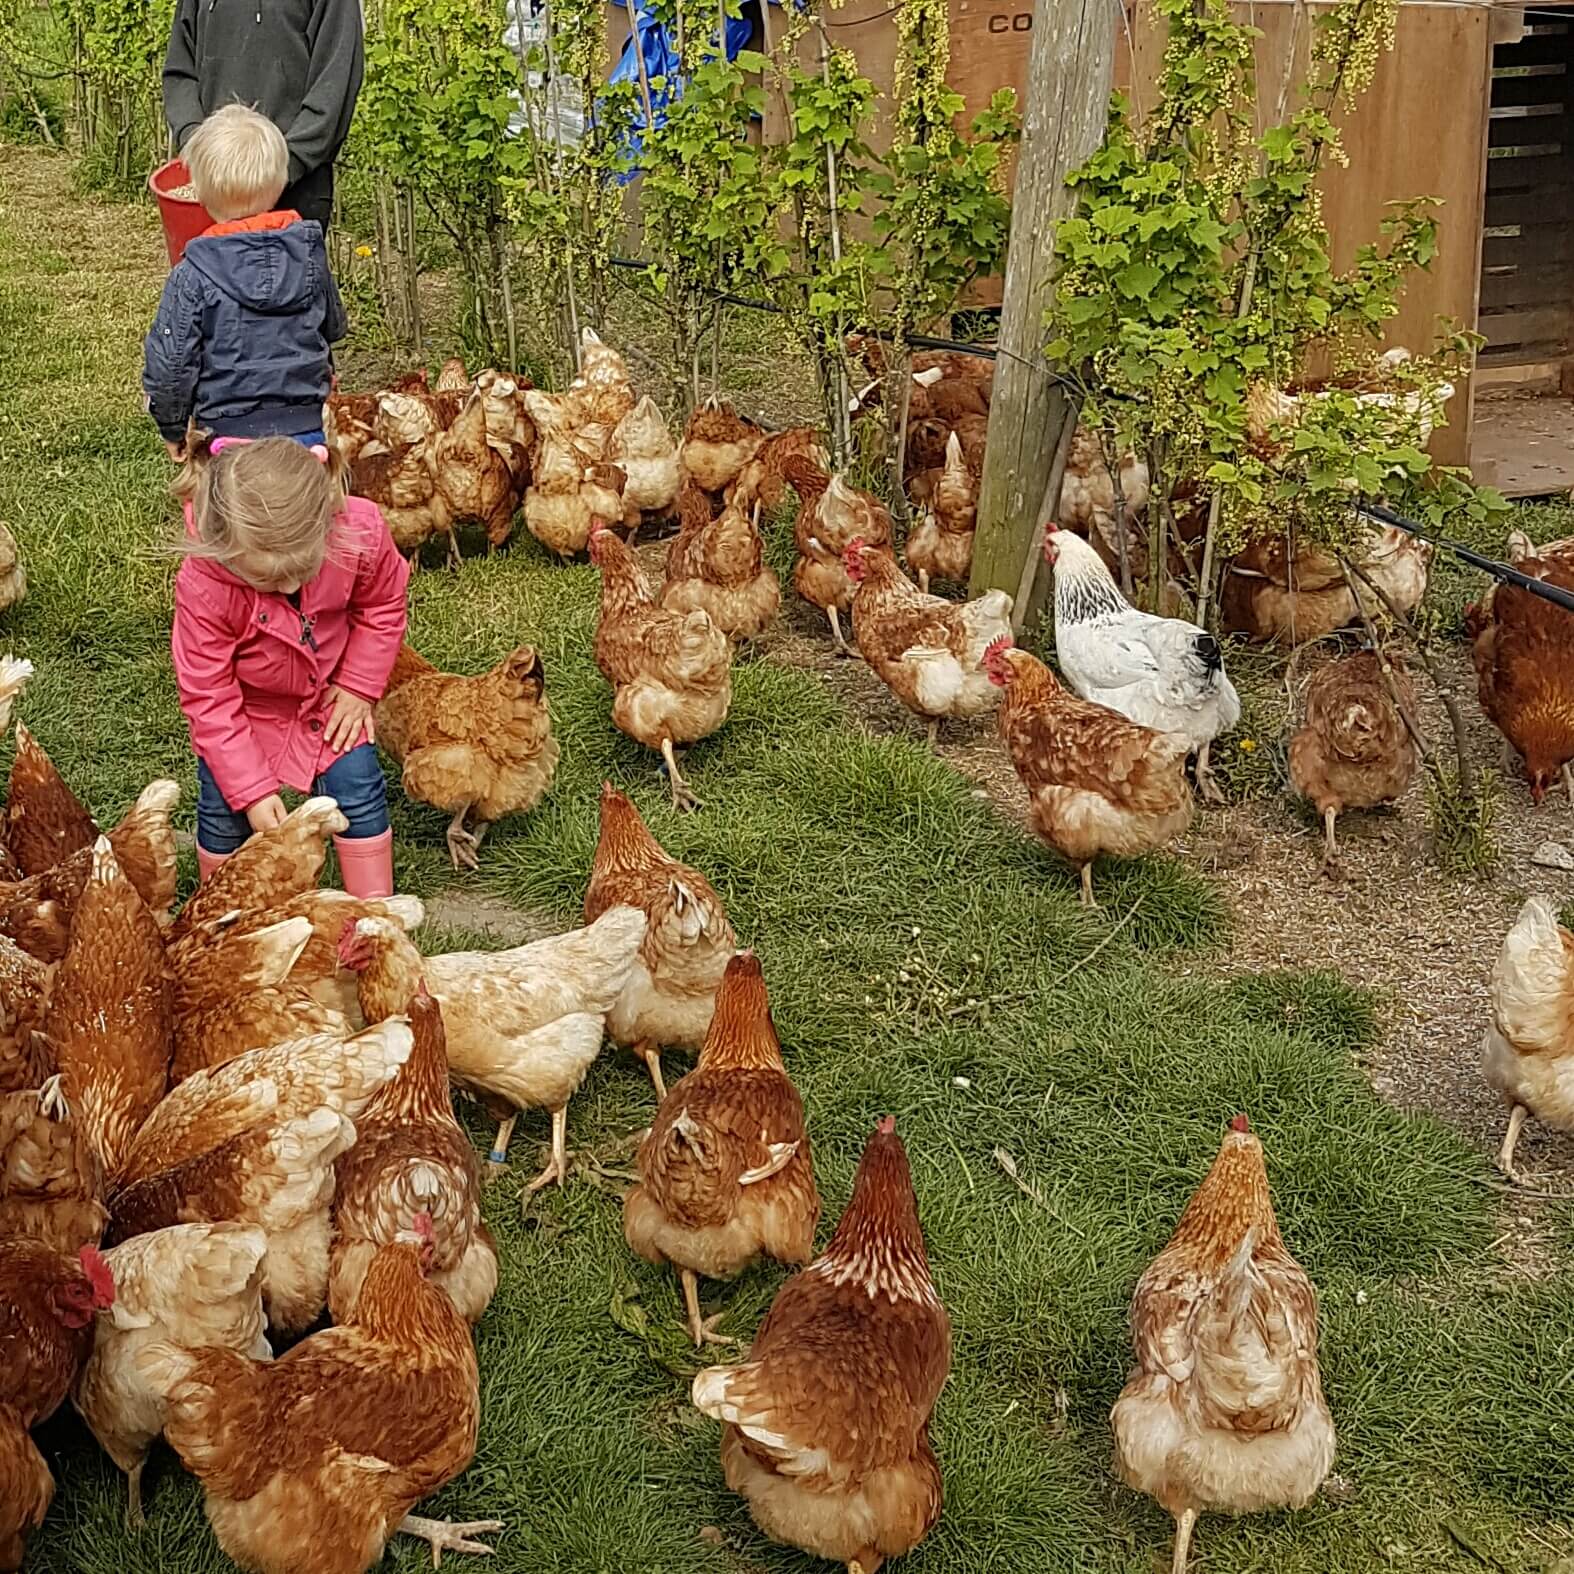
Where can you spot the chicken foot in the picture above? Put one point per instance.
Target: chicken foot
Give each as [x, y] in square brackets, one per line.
[1207, 788]
[1516, 1123]
[702, 1329]
[1086, 898]
[866, 1562]
[1568, 783]
[1184, 1524]
[557, 1165]
[446, 1536]
[462, 844]
[649, 1051]
[934, 732]
[455, 562]
[683, 799]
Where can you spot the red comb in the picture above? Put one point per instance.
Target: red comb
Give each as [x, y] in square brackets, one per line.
[99, 1277]
[994, 648]
[885, 1126]
[422, 1225]
[422, 993]
[1050, 527]
[1240, 1123]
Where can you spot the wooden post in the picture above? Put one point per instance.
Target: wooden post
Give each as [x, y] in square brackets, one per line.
[1070, 73]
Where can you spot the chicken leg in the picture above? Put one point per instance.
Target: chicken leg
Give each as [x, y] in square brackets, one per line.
[934, 732]
[1568, 783]
[866, 1562]
[557, 1165]
[446, 1536]
[923, 580]
[650, 1052]
[1086, 897]
[497, 1159]
[1206, 786]
[1184, 1525]
[702, 1330]
[1516, 1123]
[134, 1520]
[842, 647]
[683, 799]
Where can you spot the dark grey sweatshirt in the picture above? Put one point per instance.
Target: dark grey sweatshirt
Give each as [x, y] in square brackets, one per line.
[299, 62]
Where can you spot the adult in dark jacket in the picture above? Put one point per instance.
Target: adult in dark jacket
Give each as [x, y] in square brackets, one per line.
[241, 343]
[299, 62]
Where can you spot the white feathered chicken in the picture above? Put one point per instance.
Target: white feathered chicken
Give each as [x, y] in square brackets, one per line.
[1162, 673]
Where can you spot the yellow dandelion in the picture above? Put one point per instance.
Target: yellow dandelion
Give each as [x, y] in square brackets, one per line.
[1247, 745]
[363, 251]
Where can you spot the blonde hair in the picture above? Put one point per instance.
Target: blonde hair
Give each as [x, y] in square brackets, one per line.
[269, 511]
[238, 161]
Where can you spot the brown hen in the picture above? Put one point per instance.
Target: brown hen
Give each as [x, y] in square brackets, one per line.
[311, 1464]
[477, 748]
[51, 1183]
[725, 1170]
[411, 1156]
[1524, 658]
[26, 1060]
[44, 822]
[1353, 750]
[718, 567]
[831, 516]
[717, 444]
[1097, 783]
[826, 1431]
[1224, 1412]
[110, 1014]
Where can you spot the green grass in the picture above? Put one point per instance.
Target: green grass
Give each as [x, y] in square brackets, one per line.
[924, 959]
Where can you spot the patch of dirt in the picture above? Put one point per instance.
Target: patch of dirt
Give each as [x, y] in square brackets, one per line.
[482, 913]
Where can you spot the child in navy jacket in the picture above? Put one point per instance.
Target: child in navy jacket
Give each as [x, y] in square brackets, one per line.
[241, 343]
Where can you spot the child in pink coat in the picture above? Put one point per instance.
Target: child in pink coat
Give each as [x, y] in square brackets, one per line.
[289, 613]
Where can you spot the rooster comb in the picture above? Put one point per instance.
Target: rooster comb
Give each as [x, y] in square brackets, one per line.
[885, 1126]
[997, 647]
[1240, 1123]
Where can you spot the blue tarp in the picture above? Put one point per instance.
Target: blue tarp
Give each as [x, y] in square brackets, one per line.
[661, 59]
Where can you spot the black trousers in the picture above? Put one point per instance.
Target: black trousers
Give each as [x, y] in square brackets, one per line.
[312, 196]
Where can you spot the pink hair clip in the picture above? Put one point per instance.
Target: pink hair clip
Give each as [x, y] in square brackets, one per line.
[321, 451]
[219, 444]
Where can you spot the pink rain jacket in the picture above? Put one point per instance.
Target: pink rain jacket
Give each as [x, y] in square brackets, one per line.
[253, 672]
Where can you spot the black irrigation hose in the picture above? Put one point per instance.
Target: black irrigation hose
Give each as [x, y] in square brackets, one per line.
[1500, 571]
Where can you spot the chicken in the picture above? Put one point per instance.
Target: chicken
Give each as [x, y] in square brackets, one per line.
[671, 990]
[316, 969]
[25, 1057]
[13, 576]
[1528, 1054]
[717, 444]
[1087, 496]
[50, 1179]
[270, 868]
[199, 1285]
[831, 516]
[477, 748]
[725, 1172]
[44, 822]
[1096, 782]
[1161, 673]
[509, 428]
[452, 377]
[927, 441]
[399, 475]
[473, 477]
[671, 672]
[234, 991]
[643, 449]
[350, 420]
[1278, 589]
[1224, 1411]
[936, 396]
[718, 567]
[47, 1302]
[310, 1464]
[940, 545]
[411, 1156]
[36, 912]
[572, 492]
[522, 1026]
[928, 652]
[1524, 659]
[254, 1141]
[110, 1014]
[826, 1432]
[14, 674]
[602, 394]
[1353, 750]
[763, 479]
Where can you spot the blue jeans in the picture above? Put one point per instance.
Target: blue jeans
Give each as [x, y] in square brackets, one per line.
[354, 781]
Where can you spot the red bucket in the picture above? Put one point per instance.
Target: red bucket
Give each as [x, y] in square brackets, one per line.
[183, 219]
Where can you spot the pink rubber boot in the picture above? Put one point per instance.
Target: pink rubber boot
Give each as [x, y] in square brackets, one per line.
[207, 862]
[366, 864]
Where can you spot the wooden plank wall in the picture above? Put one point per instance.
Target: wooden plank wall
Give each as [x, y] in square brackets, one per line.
[1527, 280]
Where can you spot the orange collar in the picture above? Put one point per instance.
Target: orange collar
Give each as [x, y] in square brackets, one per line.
[257, 222]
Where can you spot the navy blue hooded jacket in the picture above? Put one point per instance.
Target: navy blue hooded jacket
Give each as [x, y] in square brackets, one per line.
[240, 345]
